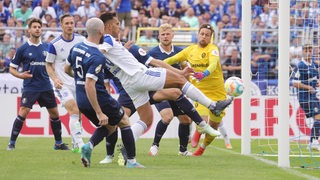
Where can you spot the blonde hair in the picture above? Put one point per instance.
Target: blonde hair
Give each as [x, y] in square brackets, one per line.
[165, 27]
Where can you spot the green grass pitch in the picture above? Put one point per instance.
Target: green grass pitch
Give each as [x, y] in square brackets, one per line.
[34, 158]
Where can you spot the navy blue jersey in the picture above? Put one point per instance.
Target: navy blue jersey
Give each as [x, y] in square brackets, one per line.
[32, 58]
[87, 61]
[158, 54]
[308, 74]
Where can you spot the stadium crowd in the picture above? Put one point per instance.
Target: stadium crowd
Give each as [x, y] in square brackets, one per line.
[224, 15]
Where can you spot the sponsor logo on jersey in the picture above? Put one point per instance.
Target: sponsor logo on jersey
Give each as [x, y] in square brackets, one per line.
[203, 55]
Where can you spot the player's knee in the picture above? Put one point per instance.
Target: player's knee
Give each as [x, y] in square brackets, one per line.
[176, 93]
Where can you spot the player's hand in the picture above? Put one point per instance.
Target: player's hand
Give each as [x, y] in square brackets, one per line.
[198, 75]
[58, 83]
[187, 71]
[103, 119]
[313, 91]
[26, 75]
[128, 44]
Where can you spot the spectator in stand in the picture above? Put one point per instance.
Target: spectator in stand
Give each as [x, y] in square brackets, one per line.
[200, 8]
[58, 7]
[154, 4]
[2, 31]
[79, 24]
[232, 66]
[137, 6]
[172, 10]
[4, 13]
[190, 18]
[86, 11]
[10, 25]
[22, 13]
[205, 19]
[155, 20]
[225, 19]
[234, 23]
[76, 17]
[147, 37]
[19, 38]
[214, 14]
[265, 15]
[74, 5]
[5, 63]
[295, 51]
[233, 7]
[256, 10]
[123, 9]
[105, 6]
[164, 6]
[273, 24]
[41, 11]
[260, 65]
[6, 44]
[226, 47]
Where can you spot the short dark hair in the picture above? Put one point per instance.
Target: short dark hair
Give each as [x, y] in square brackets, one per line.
[107, 16]
[64, 16]
[34, 20]
[206, 26]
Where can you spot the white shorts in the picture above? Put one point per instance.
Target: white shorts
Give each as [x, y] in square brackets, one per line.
[65, 94]
[140, 84]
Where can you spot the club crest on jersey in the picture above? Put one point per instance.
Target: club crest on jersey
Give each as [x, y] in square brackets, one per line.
[98, 69]
[142, 52]
[215, 53]
[30, 54]
[203, 55]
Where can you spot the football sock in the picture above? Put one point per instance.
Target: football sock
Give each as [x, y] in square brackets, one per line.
[185, 105]
[207, 140]
[223, 132]
[128, 142]
[184, 132]
[16, 128]
[75, 130]
[316, 125]
[111, 142]
[138, 128]
[160, 130]
[98, 135]
[56, 129]
[195, 94]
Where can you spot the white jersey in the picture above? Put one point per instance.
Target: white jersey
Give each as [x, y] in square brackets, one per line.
[58, 52]
[120, 62]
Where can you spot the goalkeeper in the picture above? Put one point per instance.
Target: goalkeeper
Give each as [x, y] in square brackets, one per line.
[203, 57]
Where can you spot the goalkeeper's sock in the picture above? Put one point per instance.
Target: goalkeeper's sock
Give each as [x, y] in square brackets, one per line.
[185, 105]
[160, 130]
[196, 95]
[138, 128]
[16, 128]
[111, 142]
[184, 132]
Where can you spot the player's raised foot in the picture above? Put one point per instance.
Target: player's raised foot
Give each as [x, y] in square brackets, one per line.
[61, 146]
[220, 106]
[107, 160]
[11, 147]
[185, 153]
[228, 146]
[86, 155]
[195, 139]
[209, 130]
[154, 149]
[122, 157]
[134, 165]
[199, 151]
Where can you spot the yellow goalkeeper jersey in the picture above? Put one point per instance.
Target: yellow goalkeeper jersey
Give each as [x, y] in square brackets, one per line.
[202, 59]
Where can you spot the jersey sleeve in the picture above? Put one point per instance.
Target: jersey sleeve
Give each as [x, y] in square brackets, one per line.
[51, 56]
[178, 58]
[97, 65]
[213, 60]
[17, 59]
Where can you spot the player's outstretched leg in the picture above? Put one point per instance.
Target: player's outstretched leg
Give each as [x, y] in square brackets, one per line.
[220, 106]
[195, 138]
[86, 152]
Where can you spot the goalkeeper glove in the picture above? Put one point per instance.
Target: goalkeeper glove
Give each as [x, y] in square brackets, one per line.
[200, 75]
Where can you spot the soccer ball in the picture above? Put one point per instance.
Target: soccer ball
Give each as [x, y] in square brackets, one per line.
[234, 86]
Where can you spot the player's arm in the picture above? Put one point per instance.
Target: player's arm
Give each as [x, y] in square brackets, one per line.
[299, 85]
[178, 58]
[159, 63]
[50, 58]
[16, 73]
[90, 87]
[68, 69]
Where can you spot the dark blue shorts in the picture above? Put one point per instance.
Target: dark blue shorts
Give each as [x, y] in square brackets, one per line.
[166, 104]
[45, 99]
[112, 109]
[310, 108]
[125, 101]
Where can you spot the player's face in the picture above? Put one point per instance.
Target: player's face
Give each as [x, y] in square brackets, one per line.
[204, 37]
[115, 27]
[307, 53]
[166, 37]
[35, 30]
[67, 25]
